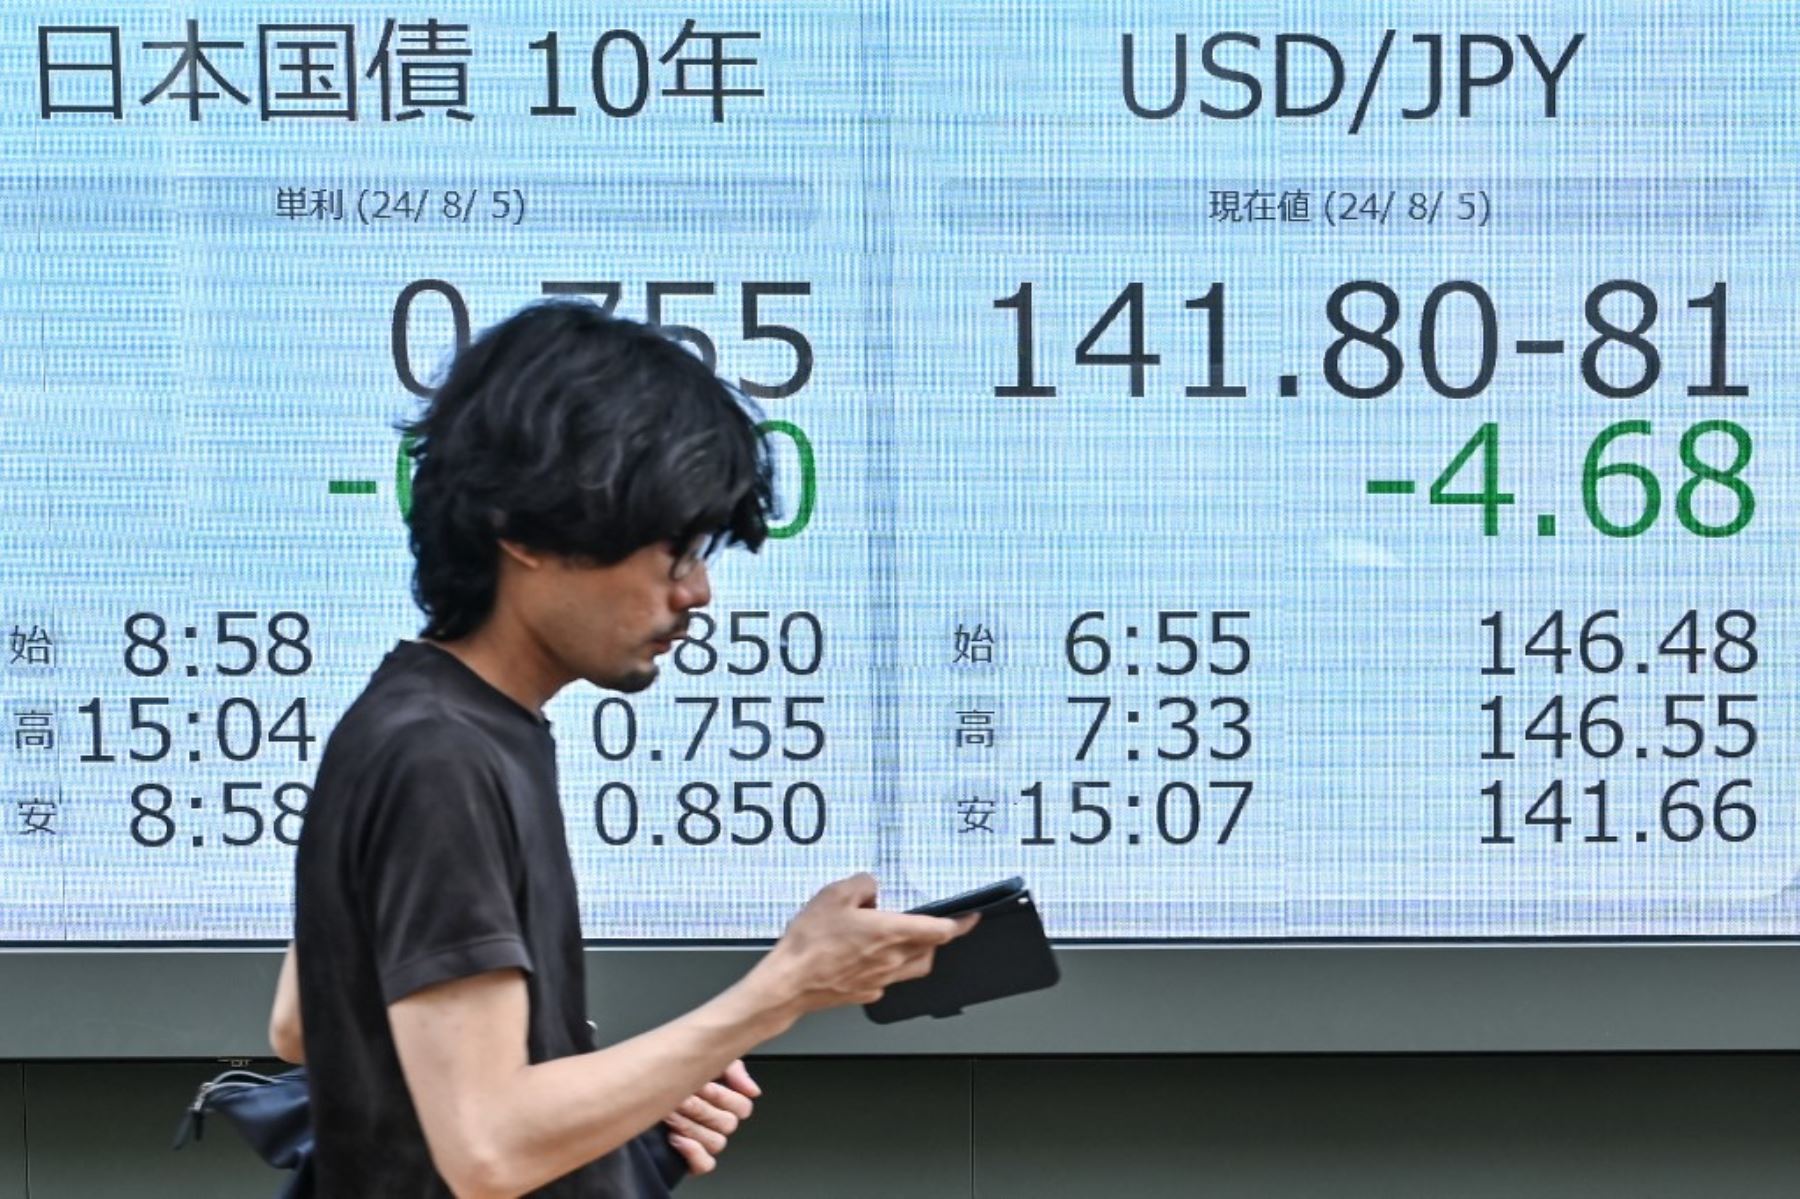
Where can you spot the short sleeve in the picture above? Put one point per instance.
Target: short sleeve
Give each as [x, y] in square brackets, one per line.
[436, 866]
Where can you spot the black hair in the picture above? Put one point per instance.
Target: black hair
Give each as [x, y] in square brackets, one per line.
[572, 432]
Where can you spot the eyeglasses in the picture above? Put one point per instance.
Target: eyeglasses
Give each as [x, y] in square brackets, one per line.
[688, 557]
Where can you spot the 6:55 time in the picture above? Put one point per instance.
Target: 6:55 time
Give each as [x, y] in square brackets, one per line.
[1089, 643]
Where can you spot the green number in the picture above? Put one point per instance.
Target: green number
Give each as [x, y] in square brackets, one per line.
[1726, 478]
[1592, 472]
[1487, 440]
[809, 485]
[403, 473]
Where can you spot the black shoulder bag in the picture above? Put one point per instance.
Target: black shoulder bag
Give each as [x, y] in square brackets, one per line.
[272, 1113]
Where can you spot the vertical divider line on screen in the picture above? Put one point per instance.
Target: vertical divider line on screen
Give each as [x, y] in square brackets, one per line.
[880, 482]
[62, 894]
[41, 328]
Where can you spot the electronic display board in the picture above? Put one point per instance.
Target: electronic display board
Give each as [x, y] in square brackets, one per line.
[1257, 472]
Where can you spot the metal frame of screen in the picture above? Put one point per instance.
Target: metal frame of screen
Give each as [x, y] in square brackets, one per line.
[1537, 997]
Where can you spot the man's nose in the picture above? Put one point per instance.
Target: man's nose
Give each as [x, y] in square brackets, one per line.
[694, 591]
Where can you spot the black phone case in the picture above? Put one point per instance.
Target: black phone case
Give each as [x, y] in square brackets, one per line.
[1006, 953]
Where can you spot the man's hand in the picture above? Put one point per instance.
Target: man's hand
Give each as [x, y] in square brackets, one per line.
[701, 1127]
[840, 950]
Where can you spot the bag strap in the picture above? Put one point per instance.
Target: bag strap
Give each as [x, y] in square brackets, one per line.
[193, 1121]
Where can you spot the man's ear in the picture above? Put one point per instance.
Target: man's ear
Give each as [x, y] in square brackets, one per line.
[529, 559]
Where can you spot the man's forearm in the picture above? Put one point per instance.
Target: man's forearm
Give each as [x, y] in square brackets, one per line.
[285, 1035]
[554, 1117]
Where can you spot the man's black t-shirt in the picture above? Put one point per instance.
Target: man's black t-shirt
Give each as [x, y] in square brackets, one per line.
[433, 849]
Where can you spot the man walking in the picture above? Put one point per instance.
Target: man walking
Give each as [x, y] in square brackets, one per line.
[574, 473]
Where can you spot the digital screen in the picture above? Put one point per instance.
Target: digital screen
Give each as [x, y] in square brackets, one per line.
[1257, 471]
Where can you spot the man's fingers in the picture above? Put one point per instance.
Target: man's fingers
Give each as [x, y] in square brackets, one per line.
[898, 927]
[927, 930]
[737, 1077]
[703, 1111]
[711, 1140]
[856, 891]
[722, 1096]
[698, 1160]
[918, 967]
